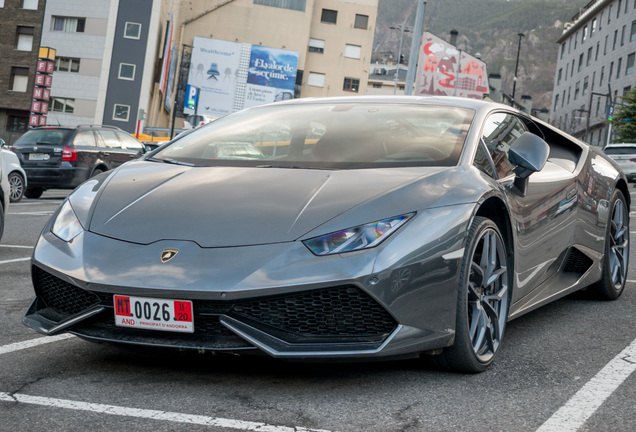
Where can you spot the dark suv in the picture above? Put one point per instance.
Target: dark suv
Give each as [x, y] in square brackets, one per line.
[63, 157]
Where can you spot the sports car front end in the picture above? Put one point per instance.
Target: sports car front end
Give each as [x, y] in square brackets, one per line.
[300, 255]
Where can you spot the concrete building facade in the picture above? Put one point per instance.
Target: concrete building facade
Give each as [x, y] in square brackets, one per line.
[105, 58]
[333, 38]
[595, 67]
[20, 29]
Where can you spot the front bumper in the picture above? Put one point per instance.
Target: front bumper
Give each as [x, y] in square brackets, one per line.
[396, 300]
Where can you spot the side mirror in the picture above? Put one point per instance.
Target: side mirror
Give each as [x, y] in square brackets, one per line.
[2, 143]
[530, 153]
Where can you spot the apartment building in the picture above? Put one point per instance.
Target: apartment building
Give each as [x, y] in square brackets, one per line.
[332, 40]
[20, 27]
[105, 59]
[595, 67]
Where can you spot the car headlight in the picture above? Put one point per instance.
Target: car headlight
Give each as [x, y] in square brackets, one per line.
[66, 225]
[356, 238]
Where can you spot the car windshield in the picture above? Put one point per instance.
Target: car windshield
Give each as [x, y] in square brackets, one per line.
[43, 136]
[327, 136]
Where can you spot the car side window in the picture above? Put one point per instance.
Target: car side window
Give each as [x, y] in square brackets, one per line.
[482, 161]
[500, 131]
[85, 139]
[110, 139]
[129, 142]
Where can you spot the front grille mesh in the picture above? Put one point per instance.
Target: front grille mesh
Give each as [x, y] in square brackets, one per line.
[62, 296]
[338, 314]
[340, 311]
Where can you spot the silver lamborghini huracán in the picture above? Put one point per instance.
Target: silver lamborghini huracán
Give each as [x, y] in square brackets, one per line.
[361, 227]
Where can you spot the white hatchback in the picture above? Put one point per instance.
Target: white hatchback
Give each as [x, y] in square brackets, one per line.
[15, 174]
[625, 156]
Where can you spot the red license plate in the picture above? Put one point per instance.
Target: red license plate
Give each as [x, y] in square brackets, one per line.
[154, 314]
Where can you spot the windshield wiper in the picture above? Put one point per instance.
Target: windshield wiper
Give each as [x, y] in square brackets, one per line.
[171, 161]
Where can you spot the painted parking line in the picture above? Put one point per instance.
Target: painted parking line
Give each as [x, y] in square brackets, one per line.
[15, 260]
[32, 343]
[16, 246]
[572, 415]
[150, 414]
[40, 213]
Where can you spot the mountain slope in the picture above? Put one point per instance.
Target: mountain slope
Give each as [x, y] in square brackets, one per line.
[488, 27]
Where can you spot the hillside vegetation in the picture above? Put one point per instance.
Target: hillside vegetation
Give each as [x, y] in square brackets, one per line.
[489, 27]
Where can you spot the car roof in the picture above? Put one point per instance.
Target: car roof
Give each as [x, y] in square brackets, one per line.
[451, 101]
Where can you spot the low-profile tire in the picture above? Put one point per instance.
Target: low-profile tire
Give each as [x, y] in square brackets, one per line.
[483, 300]
[16, 187]
[97, 171]
[616, 258]
[34, 193]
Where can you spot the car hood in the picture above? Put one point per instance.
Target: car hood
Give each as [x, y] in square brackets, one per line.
[144, 202]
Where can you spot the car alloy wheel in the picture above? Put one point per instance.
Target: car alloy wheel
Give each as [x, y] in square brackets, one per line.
[483, 300]
[16, 187]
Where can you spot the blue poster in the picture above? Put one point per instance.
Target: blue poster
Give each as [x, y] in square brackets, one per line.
[271, 67]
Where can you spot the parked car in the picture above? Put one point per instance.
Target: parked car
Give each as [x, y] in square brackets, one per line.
[15, 174]
[193, 121]
[4, 191]
[625, 156]
[413, 226]
[63, 157]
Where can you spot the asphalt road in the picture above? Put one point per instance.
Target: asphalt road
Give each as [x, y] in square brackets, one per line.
[567, 366]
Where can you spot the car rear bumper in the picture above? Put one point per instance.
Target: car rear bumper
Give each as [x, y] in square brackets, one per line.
[55, 177]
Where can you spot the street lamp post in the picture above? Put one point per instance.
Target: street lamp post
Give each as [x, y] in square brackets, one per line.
[514, 84]
[403, 29]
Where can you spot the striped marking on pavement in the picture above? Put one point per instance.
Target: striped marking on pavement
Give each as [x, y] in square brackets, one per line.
[150, 414]
[16, 246]
[32, 343]
[574, 414]
[15, 260]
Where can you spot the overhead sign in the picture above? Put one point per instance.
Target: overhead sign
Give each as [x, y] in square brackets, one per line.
[444, 70]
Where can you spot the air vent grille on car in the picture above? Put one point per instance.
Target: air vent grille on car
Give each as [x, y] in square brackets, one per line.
[61, 296]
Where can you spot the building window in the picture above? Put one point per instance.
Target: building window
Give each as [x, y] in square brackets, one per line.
[556, 102]
[559, 76]
[121, 112]
[126, 71]
[580, 63]
[376, 86]
[65, 105]
[316, 79]
[584, 36]
[68, 24]
[626, 90]
[618, 69]
[632, 37]
[593, 29]
[597, 47]
[67, 64]
[19, 79]
[352, 51]
[572, 70]
[615, 40]
[132, 30]
[298, 5]
[563, 47]
[1, 3]
[630, 64]
[351, 84]
[16, 123]
[585, 85]
[329, 16]
[589, 57]
[593, 79]
[611, 71]
[600, 82]
[577, 90]
[316, 45]
[30, 4]
[361, 22]
[618, 9]
[605, 46]
[25, 38]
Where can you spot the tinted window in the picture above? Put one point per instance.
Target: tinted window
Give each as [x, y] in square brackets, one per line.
[331, 135]
[500, 131]
[48, 136]
[482, 161]
[620, 150]
[110, 139]
[129, 142]
[84, 138]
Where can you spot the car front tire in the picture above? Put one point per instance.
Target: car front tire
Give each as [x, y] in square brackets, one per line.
[616, 257]
[483, 300]
[16, 187]
[34, 193]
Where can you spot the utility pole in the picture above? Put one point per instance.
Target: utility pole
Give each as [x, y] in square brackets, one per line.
[514, 84]
[415, 47]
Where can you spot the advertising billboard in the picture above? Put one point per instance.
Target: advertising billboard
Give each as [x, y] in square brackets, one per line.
[445, 70]
[233, 75]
